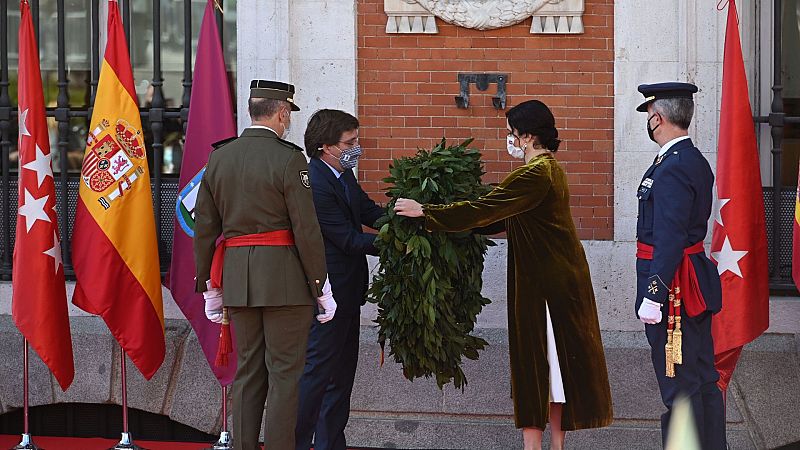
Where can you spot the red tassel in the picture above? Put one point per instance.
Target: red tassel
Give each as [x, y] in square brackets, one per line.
[225, 342]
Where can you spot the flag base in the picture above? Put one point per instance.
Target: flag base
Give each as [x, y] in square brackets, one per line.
[224, 442]
[26, 443]
[126, 443]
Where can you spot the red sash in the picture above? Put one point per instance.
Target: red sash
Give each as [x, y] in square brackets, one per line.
[685, 277]
[269, 238]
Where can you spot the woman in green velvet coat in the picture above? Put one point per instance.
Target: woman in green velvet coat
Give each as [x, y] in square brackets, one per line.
[558, 368]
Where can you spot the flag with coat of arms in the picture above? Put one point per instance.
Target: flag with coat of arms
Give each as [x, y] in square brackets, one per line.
[114, 245]
[210, 120]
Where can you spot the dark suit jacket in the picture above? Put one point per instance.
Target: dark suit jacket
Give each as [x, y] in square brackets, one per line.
[346, 245]
[675, 199]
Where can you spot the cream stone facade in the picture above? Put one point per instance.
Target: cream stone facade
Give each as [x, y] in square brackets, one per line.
[682, 43]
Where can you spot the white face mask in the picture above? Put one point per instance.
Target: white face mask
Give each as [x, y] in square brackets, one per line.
[513, 150]
[288, 126]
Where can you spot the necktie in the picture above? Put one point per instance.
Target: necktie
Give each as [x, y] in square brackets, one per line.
[346, 190]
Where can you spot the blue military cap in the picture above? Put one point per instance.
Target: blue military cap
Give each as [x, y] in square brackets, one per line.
[274, 90]
[657, 91]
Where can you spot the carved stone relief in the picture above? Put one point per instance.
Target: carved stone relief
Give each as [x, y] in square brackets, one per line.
[549, 16]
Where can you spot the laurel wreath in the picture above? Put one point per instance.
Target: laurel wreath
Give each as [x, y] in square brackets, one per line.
[428, 285]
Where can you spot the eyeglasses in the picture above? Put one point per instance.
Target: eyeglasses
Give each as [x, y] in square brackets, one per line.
[351, 143]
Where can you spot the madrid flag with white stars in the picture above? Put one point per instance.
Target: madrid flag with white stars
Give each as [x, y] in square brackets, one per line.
[739, 240]
[39, 299]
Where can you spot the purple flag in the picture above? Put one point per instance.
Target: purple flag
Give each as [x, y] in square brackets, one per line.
[210, 120]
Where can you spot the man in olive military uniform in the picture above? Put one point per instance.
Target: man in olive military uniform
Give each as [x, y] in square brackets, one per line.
[256, 193]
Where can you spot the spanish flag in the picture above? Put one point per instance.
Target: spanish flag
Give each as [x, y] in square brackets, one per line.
[114, 247]
[796, 238]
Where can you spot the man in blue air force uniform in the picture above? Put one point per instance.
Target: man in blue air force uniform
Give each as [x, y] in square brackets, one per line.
[678, 288]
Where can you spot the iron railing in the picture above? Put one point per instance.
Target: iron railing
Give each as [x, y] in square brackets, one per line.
[164, 188]
[779, 202]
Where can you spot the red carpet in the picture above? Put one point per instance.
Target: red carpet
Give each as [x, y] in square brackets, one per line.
[62, 443]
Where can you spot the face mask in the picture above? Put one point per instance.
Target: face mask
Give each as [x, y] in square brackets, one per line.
[513, 150]
[651, 130]
[349, 156]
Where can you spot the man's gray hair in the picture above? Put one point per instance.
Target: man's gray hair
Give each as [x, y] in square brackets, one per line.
[262, 108]
[678, 111]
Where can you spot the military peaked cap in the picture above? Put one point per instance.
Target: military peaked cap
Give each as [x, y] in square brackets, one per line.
[658, 91]
[274, 90]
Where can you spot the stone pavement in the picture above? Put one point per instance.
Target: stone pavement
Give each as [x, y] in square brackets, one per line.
[763, 410]
[391, 412]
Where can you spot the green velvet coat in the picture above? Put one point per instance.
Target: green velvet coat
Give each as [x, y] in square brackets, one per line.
[546, 263]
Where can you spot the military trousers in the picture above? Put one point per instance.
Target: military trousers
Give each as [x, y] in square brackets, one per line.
[271, 348]
[696, 378]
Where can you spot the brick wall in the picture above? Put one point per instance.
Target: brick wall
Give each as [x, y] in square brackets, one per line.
[407, 82]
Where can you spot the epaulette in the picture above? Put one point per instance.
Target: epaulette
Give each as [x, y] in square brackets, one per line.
[219, 144]
[291, 145]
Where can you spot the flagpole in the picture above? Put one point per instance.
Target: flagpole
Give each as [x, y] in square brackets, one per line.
[26, 442]
[126, 443]
[224, 442]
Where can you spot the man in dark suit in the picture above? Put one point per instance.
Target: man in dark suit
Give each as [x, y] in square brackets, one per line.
[678, 287]
[331, 141]
[255, 193]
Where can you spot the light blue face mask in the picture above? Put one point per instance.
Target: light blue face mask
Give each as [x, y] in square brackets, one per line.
[348, 157]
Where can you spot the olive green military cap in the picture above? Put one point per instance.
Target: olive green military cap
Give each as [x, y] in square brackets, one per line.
[273, 89]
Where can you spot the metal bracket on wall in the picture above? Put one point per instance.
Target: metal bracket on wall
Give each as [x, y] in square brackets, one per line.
[482, 81]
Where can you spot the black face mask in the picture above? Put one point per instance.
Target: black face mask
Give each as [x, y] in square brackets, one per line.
[651, 130]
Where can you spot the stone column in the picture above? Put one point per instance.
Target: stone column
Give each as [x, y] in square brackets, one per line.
[309, 43]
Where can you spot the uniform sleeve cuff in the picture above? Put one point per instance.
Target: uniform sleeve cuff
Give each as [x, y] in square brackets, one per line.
[657, 291]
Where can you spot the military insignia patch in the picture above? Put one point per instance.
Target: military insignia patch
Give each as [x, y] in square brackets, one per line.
[656, 287]
[304, 179]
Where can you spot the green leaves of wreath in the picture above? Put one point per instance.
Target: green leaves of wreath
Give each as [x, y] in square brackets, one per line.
[428, 287]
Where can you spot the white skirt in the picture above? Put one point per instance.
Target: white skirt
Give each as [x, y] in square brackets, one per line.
[556, 384]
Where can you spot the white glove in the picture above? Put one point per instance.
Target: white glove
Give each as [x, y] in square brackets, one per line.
[326, 303]
[213, 298]
[650, 311]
